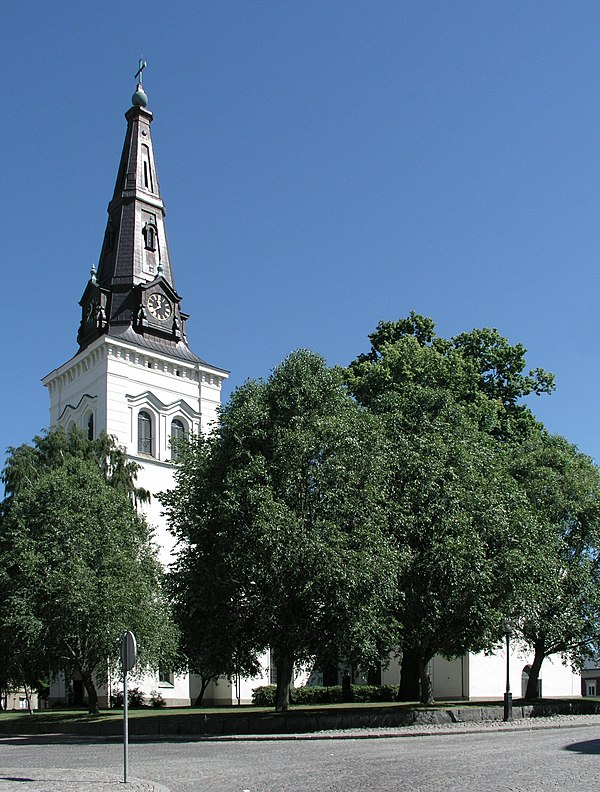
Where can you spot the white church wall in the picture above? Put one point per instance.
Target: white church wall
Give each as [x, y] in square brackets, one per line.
[77, 388]
[223, 691]
[487, 678]
[157, 477]
[449, 678]
[175, 691]
[390, 673]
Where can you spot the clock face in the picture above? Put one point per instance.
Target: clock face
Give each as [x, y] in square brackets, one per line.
[159, 306]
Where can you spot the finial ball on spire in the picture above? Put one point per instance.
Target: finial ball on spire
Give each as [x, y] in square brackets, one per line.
[139, 98]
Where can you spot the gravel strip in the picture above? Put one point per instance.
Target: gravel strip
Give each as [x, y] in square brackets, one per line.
[420, 730]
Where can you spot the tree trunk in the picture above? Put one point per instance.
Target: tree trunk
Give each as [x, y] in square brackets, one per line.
[409, 676]
[425, 680]
[285, 672]
[27, 690]
[534, 674]
[90, 688]
[203, 685]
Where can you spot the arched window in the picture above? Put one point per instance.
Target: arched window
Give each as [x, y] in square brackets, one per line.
[145, 433]
[90, 426]
[177, 433]
[149, 237]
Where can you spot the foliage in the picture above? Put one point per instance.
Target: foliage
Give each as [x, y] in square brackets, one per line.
[315, 694]
[26, 463]
[446, 405]
[479, 368]
[116, 699]
[156, 700]
[135, 699]
[80, 565]
[279, 514]
[561, 613]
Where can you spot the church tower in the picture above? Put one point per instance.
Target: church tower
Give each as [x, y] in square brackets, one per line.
[134, 375]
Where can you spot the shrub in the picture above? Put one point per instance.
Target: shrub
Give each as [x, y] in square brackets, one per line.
[317, 694]
[313, 694]
[116, 699]
[365, 693]
[156, 700]
[264, 696]
[135, 699]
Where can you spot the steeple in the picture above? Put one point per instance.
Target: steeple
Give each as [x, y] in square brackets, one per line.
[133, 295]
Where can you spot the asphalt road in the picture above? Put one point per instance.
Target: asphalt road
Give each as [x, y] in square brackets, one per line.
[517, 761]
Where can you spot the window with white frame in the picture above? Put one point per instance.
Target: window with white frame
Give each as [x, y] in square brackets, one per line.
[177, 434]
[145, 438]
[166, 677]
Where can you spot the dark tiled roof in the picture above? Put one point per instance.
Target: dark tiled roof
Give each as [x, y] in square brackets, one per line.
[176, 349]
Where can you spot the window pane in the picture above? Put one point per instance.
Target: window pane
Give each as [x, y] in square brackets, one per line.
[177, 433]
[144, 433]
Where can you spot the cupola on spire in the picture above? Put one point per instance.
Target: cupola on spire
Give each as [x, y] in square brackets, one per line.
[132, 295]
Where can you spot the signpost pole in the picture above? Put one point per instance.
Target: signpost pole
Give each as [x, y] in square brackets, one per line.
[128, 658]
[125, 729]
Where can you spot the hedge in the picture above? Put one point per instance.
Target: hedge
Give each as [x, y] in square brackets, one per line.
[265, 696]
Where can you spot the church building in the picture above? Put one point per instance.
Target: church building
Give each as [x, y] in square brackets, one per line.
[135, 377]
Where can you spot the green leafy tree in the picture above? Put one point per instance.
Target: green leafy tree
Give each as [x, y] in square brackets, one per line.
[479, 368]
[79, 566]
[26, 463]
[22, 660]
[460, 518]
[448, 406]
[279, 516]
[561, 614]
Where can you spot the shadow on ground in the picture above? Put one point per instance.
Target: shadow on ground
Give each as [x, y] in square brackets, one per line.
[53, 739]
[586, 747]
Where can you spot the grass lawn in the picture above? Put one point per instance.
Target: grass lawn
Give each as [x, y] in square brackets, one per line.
[58, 714]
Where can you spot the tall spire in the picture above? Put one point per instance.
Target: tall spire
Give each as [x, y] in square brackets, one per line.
[133, 294]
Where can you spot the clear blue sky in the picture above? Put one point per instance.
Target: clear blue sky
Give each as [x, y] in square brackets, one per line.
[325, 165]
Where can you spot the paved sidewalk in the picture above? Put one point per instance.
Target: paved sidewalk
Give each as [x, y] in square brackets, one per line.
[418, 730]
[56, 780]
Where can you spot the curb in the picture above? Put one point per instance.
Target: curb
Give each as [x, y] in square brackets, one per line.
[14, 779]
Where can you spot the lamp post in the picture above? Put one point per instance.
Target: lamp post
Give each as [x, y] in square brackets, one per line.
[507, 693]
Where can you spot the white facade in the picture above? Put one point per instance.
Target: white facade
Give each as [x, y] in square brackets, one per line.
[486, 671]
[483, 676]
[112, 382]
